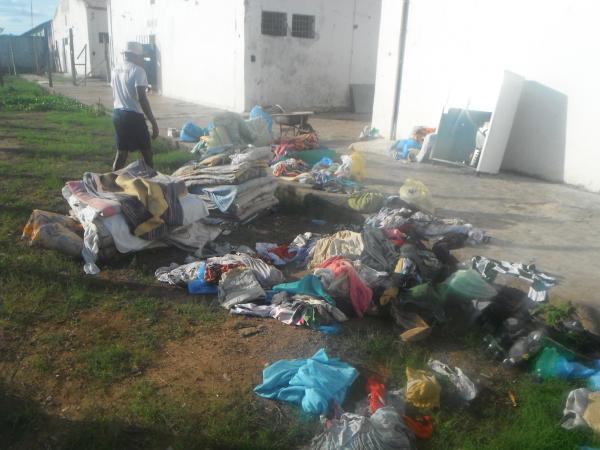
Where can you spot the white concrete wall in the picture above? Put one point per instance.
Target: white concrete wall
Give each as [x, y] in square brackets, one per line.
[97, 23]
[367, 17]
[199, 45]
[311, 73]
[387, 65]
[87, 18]
[456, 54]
[70, 14]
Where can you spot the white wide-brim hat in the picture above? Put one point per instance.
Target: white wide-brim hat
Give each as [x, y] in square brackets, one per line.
[135, 48]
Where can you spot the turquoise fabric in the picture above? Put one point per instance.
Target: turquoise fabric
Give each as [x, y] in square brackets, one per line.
[310, 157]
[309, 285]
[310, 383]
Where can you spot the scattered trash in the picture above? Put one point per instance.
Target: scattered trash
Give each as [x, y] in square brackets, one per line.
[173, 133]
[552, 363]
[190, 132]
[415, 193]
[376, 390]
[525, 347]
[308, 285]
[368, 133]
[540, 282]
[469, 285]
[464, 386]
[421, 426]
[582, 409]
[237, 286]
[384, 430]
[513, 399]
[366, 202]
[408, 149]
[299, 310]
[422, 390]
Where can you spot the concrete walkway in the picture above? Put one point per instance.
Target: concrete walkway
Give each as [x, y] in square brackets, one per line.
[338, 129]
[554, 225]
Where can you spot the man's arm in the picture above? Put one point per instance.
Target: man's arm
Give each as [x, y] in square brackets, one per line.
[145, 104]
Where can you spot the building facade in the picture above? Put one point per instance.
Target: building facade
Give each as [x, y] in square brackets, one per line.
[234, 54]
[88, 21]
[456, 54]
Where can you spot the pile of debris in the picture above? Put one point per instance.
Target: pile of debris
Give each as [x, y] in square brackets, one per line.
[129, 210]
[399, 264]
[237, 191]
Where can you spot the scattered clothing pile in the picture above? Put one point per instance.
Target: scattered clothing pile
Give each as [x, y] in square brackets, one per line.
[292, 146]
[318, 168]
[237, 191]
[129, 210]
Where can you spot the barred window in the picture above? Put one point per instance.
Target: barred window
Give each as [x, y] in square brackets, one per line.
[303, 26]
[274, 23]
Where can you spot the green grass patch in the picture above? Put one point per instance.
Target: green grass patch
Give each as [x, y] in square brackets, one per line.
[110, 362]
[533, 424]
[20, 95]
[193, 424]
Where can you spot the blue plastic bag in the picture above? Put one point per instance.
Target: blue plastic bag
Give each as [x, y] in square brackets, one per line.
[190, 132]
[257, 112]
[401, 148]
[552, 364]
[201, 287]
[593, 383]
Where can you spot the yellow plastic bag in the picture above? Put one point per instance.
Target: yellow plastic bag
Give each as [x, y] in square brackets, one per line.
[422, 390]
[357, 171]
[416, 193]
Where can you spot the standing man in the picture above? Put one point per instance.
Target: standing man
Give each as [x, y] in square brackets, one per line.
[129, 83]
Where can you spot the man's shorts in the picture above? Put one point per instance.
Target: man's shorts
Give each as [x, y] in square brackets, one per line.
[131, 130]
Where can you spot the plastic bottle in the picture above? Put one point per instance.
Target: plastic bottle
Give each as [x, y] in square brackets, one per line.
[493, 348]
[524, 348]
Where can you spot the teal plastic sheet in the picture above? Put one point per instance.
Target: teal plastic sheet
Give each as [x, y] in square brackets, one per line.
[309, 285]
[311, 383]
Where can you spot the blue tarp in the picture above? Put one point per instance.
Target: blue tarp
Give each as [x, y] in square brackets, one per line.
[310, 383]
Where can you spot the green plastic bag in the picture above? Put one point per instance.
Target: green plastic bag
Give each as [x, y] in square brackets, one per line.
[552, 363]
[468, 285]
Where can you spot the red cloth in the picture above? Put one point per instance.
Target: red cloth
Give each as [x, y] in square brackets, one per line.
[283, 252]
[376, 393]
[421, 426]
[395, 235]
[360, 294]
[296, 143]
